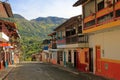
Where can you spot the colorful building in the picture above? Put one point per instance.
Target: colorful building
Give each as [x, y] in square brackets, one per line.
[101, 21]
[45, 53]
[53, 48]
[9, 37]
[72, 45]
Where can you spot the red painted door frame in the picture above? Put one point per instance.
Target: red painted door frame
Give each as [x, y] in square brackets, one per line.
[98, 59]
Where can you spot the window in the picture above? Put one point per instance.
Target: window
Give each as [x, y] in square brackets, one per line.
[101, 5]
[105, 17]
[118, 13]
[90, 23]
[70, 32]
[73, 31]
[80, 29]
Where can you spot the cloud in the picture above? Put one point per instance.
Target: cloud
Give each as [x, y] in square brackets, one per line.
[42, 8]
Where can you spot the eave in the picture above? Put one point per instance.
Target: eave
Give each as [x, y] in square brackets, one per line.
[79, 2]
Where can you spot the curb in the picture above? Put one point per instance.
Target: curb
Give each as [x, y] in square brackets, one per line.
[74, 72]
[7, 73]
[66, 69]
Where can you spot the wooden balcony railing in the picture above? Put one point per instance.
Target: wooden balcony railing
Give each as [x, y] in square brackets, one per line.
[104, 11]
[89, 18]
[61, 41]
[106, 15]
[72, 39]
[77, 39]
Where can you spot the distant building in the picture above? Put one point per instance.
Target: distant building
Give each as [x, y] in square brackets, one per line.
[45, 52]
[71, 42]
[53, 48]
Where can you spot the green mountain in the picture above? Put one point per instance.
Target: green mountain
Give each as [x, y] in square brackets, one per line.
[37, 28]
[49, 20]
[34, 31]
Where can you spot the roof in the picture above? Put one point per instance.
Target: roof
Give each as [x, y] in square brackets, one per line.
[79, 2]
[8, 9]
[53, 33]
[72, 20]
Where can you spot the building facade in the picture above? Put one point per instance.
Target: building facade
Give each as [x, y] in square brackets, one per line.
[101, 21]
[53, 48]
[9, 37]
[72, 45]
[45, 53]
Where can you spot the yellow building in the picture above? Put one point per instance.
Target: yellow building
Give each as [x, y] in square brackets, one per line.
[101, 21]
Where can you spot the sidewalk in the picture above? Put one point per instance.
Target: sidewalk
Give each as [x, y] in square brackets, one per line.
[82, 75]
[5, 72]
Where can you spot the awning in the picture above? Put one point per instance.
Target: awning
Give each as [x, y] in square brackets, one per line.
[4, 44]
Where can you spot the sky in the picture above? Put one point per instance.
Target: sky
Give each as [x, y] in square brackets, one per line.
[31, 9]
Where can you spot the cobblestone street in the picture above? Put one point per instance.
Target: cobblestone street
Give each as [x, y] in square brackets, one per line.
[41, 71]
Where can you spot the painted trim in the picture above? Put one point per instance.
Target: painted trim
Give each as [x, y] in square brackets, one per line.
[104, 11]
[103, 26]
[89, 18]
[110, 60]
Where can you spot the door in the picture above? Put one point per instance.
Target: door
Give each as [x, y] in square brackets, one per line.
[58, 57]
[75, 59]
[64, 59]
[91, 59]
[98, 59]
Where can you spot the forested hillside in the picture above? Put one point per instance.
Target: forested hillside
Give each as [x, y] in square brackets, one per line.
[34, 31]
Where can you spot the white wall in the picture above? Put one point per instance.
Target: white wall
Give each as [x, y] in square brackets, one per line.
[109, 42]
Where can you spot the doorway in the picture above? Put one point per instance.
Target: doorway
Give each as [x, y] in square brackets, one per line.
[65, 59]
[91, 59]
[58, 58]
[98, 57]
[75, 59]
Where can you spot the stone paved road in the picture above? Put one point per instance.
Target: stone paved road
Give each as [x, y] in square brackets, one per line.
[40, 71]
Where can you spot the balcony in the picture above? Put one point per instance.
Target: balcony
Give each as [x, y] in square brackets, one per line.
[3, 37]
[72, 39]
[61, 43]
[105, 18]
[77, 41]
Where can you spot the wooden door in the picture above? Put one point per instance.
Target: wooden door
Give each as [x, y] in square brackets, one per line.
[98, 59]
